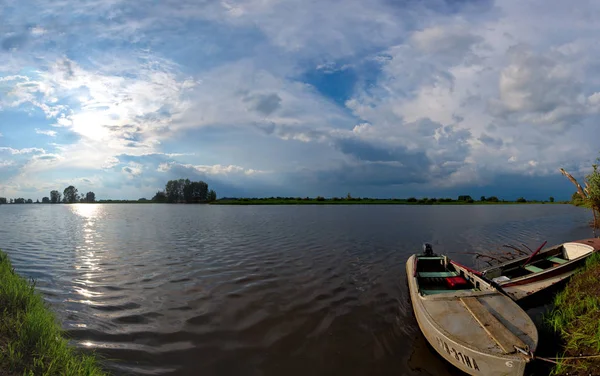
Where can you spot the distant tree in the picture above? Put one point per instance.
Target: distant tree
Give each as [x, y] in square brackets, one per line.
[12, 201]
[492, 199]
[172, 191]
[19, 200]
[482, 198]
[212, 196]
[412, 199]
[348, 196]
[521, 199]
[54, 197]
[70, 194]
[90, 197]
[196, 191]
[551, 199]
[45, 200]
[3, 200]
[143, 199]
[37, 201]
[465, 198]
[160, 196]
[319, 198]
[29, 201]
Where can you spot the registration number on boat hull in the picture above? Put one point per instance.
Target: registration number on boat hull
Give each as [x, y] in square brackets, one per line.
[462, 358]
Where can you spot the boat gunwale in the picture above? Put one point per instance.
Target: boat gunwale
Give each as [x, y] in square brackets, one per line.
[516, 356]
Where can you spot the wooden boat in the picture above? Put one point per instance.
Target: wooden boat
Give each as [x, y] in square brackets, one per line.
[467, 320]
[529, 274]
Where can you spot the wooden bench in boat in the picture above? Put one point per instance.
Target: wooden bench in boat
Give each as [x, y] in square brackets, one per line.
[494, 328]
[557, 260]
[533, 269]
[437, 274]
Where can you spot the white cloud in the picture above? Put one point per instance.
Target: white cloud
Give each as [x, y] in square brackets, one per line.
[21, 151]
[6, 163]
[46, 132]
[132, 169]
[212, 169]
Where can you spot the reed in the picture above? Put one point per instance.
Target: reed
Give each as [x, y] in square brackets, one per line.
[31, 339]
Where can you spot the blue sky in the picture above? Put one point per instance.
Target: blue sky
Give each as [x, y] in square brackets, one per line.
[295, 97]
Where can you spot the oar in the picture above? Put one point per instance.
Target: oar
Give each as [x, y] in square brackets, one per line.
[482, 276]
[535, 253]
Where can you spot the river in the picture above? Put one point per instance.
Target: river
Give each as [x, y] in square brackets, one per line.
[255, 290]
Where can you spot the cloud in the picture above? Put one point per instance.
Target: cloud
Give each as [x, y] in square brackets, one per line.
[46, 132]
[265, 104]
[5, 163]
[376, 94]
[541, 89]
[133, 169]
[21, 151]
[211, 170]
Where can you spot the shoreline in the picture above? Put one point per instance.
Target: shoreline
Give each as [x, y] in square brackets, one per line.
[31, 339]
[575, 319]
[311, 201]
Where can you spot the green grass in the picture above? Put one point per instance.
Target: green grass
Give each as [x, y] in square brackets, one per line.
[576, 317]
[31, 339]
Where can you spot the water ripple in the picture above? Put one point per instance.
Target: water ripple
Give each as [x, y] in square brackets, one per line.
[214, 290]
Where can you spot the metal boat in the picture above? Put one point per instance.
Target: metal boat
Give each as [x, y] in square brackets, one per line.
[467, 320]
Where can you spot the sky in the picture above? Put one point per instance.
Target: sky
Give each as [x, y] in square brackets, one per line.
[259, 98]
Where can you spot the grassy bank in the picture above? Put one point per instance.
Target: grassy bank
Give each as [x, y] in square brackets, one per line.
[576, 317]
[31, 341]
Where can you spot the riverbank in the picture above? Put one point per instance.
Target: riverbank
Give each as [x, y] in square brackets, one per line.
[31, 341]
[366, 201]
[576, 317]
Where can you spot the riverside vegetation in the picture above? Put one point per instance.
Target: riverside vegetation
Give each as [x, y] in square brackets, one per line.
[31, 339]
[320, 200]
[576, 317]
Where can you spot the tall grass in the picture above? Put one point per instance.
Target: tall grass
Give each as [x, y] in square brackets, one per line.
[31, 341]
[576, 317]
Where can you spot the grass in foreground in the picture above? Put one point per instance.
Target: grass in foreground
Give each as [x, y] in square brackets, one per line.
[576, 317]
[31, 341]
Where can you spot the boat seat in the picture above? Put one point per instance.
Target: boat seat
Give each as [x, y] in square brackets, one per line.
[431, 257]
[433, 292]
[557, 260]
[533, 269]
[437, 274]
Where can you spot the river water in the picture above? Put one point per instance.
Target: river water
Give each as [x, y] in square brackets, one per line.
[255, 290]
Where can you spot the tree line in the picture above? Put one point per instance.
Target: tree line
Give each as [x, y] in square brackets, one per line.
[185, 191]
[70, 195]
[176, 191]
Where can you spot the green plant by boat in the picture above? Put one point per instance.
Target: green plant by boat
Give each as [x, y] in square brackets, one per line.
[31, 341]
[576, 317]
